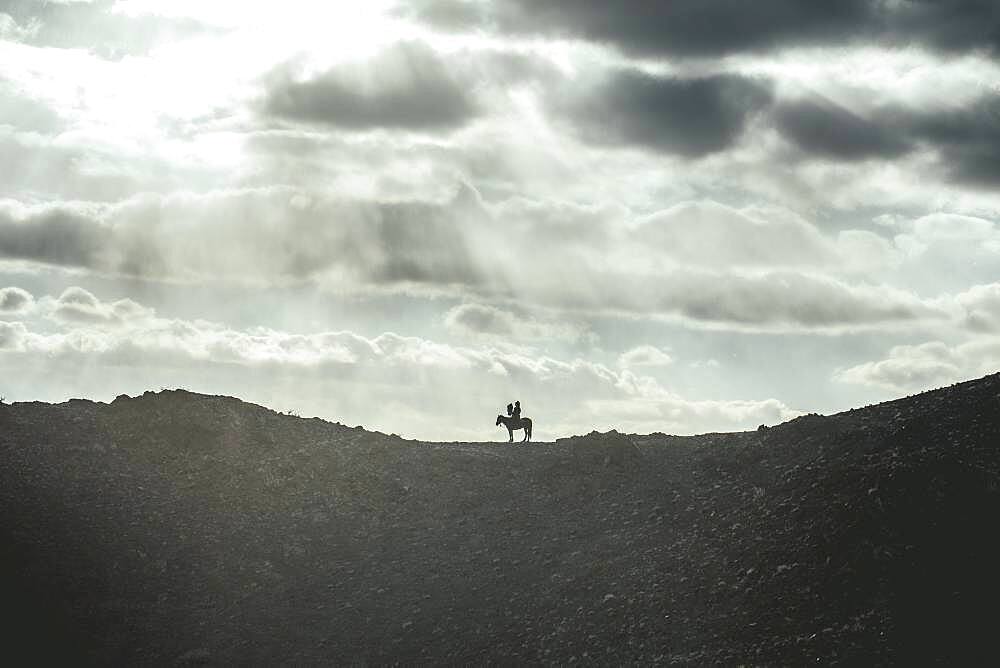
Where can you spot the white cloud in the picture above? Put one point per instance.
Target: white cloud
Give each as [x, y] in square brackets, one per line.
[12, 335]
[457, 247]
[77, 305]
[982, 307]
[920, 367]
[711, 234]
[946, 233]
[947, 252]
[369, 373]
[645, 355]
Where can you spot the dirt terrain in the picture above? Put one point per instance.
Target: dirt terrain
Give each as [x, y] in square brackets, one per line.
[178, 528]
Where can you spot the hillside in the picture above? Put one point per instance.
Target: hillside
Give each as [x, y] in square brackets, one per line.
[182, 528]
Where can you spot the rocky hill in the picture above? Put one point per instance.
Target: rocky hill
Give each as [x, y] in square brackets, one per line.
[182, 528]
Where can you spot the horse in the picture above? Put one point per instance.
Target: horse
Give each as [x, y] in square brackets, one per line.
[513, 425]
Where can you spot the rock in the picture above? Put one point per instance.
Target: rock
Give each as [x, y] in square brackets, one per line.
[194, 657]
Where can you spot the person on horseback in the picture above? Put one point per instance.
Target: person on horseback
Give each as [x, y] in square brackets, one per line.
[513, 421]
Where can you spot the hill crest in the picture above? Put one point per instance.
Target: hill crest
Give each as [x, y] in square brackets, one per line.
[901, 409]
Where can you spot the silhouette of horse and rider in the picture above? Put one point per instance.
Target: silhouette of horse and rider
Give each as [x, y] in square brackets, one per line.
[513, 421]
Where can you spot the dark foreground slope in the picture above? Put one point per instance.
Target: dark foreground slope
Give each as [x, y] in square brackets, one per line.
[177, 527]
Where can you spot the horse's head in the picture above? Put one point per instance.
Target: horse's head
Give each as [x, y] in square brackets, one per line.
[499, 420]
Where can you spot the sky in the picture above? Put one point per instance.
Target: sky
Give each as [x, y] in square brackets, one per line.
[687, 216]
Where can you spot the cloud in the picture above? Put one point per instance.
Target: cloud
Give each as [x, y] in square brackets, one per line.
[942, 227]
[61, 167]
[480, 319]
[267, 234]
[52, 234]
[406, 87]
[711, 234]
[9, 28]
[92, 25]
[11, 335]
[76, 305]
[964, 137]
[948, 237]
[15, 300]
[645, 355]
[968, 139]
[561, 223]
[907, 367]
[666, 412]
[689, 117]
[685, 28]
[489, 322]
[699, 29]
[954, 26]
[821, 127]
[771, 301]
[448, 388]
[23, 111]
[912, 368]
[786, 298]
[981, 304]
[459, 248]
[421, 243]
[946, 251]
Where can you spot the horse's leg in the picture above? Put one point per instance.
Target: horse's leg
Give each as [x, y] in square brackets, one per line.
[510, 432]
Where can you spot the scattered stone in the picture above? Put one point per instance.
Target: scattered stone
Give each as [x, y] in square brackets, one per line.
[186, 518]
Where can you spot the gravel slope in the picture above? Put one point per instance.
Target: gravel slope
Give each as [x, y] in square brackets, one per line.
[183, 528]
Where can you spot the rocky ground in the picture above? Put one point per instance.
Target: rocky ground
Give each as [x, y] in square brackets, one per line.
[182, 528]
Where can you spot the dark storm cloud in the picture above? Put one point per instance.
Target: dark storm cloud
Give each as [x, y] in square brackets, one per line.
[675, 28]
[408, 87]
[94, 26]
[688, 117]
[948, 25]
[709, 28]
[53, 236]
[967, 140]
[824, 128]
